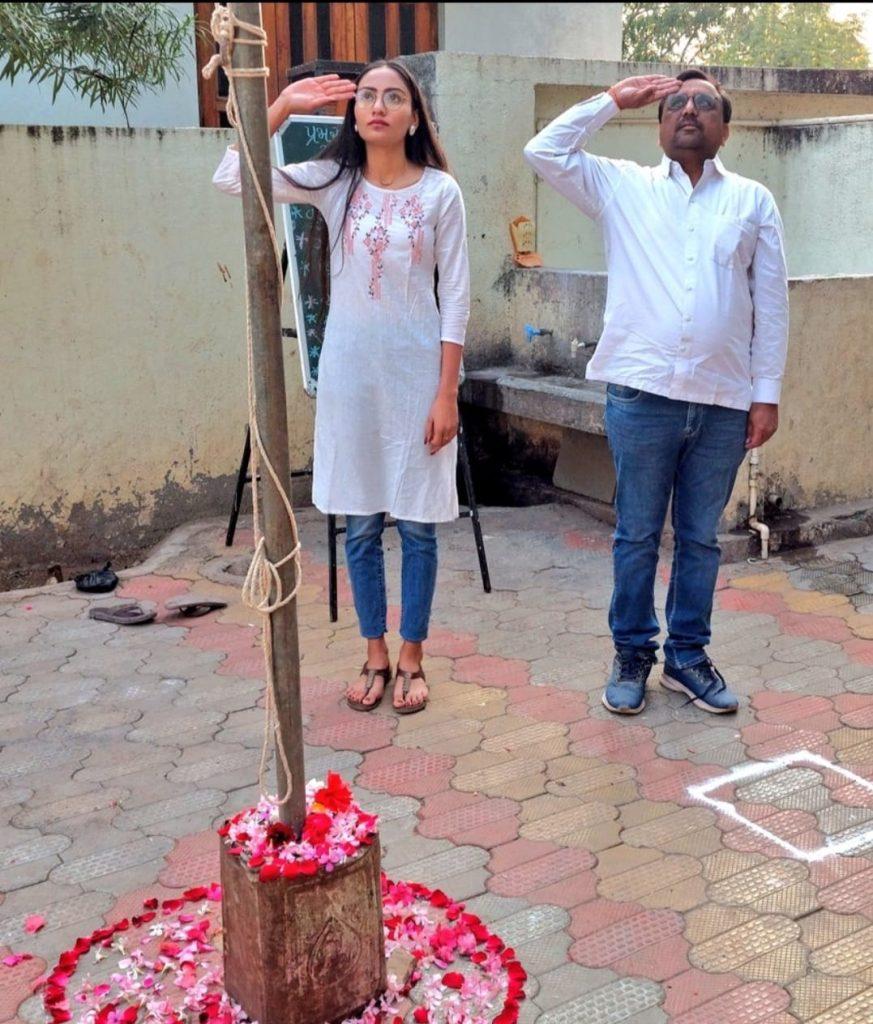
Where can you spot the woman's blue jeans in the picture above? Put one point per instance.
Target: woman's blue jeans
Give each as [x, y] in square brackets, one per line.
[366, 565]
[664, 448]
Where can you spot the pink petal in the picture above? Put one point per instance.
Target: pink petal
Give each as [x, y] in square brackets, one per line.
[16, 958]
[34, 923]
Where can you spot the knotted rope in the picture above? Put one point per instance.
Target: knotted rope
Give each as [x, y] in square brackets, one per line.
[262, 590]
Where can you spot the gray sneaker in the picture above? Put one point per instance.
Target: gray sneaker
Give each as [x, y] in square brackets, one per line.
[704, 686]
[625, 692]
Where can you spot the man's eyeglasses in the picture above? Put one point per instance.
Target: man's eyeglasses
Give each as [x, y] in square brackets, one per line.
[393, 99]
[703, 102]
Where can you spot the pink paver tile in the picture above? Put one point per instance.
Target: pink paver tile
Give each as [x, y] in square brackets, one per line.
[563, 708]
[624, 938]
[816, 627]
[492, 671]
[484, 814]
[861, 716]
[519, 851]
[443, 644]
[852, 895]
[753, 1003]
[791, 742]
[369, 732]
[692, 988]
[192, 861]
[784, 712]
[569, 892]
[535, 874]
[860, 650]
[589, 727]
[599, 914]
[416, 776]
[153, 588]
[755, 601]
[658, 962]
[249, 664]
[444, 803]
[16, 984]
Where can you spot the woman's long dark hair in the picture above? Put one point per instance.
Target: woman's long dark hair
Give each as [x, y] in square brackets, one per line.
[349, 152]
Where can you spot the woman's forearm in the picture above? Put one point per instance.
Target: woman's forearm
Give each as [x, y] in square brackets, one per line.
[278, 114]
[450, 369]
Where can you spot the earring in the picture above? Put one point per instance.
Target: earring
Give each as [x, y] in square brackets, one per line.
[356, 129]
[412, 130]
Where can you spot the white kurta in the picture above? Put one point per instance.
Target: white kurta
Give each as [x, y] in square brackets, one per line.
[380, 364]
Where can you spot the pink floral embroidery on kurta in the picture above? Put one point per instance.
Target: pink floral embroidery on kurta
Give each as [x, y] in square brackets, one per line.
[412, 215]
[376, 241]
[359, 207]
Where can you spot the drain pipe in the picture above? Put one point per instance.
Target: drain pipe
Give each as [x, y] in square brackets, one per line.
[754, 525]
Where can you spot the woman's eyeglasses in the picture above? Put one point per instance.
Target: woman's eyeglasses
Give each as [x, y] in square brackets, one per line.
[703, 102]
[393, 99]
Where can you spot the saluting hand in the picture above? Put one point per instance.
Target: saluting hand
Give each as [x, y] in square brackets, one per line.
[643, 90]
[309, 94]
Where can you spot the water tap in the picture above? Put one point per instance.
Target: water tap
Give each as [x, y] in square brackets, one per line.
[531, 332]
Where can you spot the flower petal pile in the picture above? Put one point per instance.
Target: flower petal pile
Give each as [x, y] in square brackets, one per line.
[335, 830]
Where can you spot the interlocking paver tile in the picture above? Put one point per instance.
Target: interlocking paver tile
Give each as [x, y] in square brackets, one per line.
[755, 1003]
[110, 861]
[613, 1003]
[732, 949]
[816, 993]
[535, 874]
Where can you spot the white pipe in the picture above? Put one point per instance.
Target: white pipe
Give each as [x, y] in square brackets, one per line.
[754, 525]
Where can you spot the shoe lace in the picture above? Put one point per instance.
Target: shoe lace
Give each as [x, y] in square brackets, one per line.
[717, 682]
[634, 666]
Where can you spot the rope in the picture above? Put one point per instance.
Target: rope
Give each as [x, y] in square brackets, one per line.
[262, 589]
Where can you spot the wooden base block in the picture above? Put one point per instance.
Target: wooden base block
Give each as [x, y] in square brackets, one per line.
[304, 950]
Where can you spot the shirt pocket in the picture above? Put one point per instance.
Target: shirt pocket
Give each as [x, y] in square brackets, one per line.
[733, 241]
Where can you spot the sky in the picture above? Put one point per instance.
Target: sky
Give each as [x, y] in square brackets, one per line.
[839, 11]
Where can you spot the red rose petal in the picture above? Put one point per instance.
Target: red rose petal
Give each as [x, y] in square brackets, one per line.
[453, 979]
[34, 923]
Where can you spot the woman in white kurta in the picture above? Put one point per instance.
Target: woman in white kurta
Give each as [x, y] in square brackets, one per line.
[386, 415]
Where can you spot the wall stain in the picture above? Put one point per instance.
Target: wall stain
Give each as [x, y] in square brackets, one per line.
[34, 537]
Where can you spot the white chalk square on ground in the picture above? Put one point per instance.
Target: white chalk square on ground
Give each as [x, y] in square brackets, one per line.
[849, 840]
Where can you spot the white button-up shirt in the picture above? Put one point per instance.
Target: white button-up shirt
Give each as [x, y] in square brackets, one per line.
[697, 299]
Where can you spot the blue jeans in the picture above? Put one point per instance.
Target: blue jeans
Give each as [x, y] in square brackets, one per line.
[366, 566]
[660, 448]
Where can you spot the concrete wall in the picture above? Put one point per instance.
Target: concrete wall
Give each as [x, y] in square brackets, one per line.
[573, 31]
[488, 108]
[821, 454]
[173, 107]
[121, 339]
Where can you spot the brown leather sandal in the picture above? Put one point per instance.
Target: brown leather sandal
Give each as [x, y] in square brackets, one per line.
[407, 680]
[372, 675]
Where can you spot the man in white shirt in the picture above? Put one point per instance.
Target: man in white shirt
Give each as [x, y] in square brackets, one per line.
[693, 351]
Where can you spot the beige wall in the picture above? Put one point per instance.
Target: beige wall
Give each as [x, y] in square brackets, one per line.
[822, 453]
[574, 31]
[122, 339]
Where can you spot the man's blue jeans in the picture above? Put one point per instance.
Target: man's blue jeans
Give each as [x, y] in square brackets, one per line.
[366, 566]
[663, 448]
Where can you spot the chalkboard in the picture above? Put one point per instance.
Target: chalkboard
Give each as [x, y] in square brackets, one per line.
[303, 137]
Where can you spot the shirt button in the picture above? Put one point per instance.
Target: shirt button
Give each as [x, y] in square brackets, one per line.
[690, 227]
